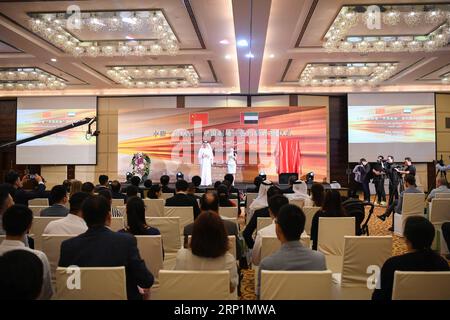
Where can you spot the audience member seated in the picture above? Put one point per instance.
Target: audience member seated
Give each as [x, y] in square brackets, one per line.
[317, 194]
[73, 223]
[75, 187]
[6, 201]
[419, 234]
[17, 222]
[21, 275]
[148, 183]
[217, 184]
[257, 182]
[103, 183]
[410, 187]
[191, 191]
[332, 207]
[106, 193]
[208, 248]
[445, 228]
[101, 247]
[58, 199]
[210, 202]
[224, 197]
[116, 187]
[441, 187]
[232, 190]
[292, 255]
[261, 200]
[182, 199]
[67, 184]
[132, 191]
[19, 194]
[154, 192]
[300, 192]
[197, 181]
[164, 180]
[261, 211]
[136, 223]
[88, 187]
[136, 181]
[290, 189]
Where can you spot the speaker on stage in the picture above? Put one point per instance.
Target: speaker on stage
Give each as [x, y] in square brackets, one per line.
[283, 178]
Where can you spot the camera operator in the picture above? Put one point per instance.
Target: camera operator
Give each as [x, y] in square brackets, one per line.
[19, 194]
[440, 166]
[379, 172]
[394, 179]
[362, 177]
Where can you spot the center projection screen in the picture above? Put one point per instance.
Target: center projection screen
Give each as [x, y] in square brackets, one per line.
[397, 124]
[272, 140]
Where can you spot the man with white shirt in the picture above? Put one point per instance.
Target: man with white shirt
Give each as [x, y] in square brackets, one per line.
[441, 187]
[17, 222]
[73, 223]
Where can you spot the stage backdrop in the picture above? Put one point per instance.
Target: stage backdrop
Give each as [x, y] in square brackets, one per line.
[272, 140]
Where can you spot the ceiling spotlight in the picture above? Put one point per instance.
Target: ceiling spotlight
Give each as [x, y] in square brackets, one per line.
[242, 43]
[250, 55]
[53, 60]
[129, 38]
[224, 41]
[228, 57]
[271, 56]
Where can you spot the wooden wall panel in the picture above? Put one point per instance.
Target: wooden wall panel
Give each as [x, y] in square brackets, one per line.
[338, 133]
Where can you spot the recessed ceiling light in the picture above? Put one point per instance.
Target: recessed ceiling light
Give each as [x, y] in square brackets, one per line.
[53, 60]
[227, 56]
[242, 43]
[271, 56]
[250, 55]
[224, 41]
[129, 38]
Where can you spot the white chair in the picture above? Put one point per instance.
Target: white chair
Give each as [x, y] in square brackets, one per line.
[51, 246]
[186, 215]
[330, 240]
[154, 207]
[413, 205]
[122, 209]
[38, 202]
[295, 285]
[166, 196]
[171, 238]
[297, 202]
[150, 249]
[117, 223]
[228, 212]
[37, 229]
[360, 253]
[104, 283]
[193, 285]
[262, 222]
[309, 214]
[118, 202]
[439, 213]
[442, 195]
[249, 199]
[37, 210]
[421, 285]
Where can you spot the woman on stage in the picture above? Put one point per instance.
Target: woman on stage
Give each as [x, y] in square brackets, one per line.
[231, 163]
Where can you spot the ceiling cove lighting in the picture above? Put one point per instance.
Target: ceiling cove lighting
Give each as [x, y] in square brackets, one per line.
[29, 79]
[55, 28]
[242, 43]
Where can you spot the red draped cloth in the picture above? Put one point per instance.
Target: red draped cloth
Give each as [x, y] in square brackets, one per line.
[288, 157]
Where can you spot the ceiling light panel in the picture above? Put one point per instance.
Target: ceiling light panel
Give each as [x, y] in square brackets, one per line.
[29, 79]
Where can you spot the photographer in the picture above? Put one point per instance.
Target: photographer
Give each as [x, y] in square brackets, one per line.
[19, 194]
[378, 180]
[362, 177]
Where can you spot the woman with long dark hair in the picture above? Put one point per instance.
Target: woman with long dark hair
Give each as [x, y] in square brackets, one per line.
[154, 192]
[317, 194]
[224, 197]
[135, 221]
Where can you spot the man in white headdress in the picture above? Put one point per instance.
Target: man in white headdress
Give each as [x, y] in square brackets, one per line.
[261, 200]
[300, 189]
[231, 162]
[206, 159]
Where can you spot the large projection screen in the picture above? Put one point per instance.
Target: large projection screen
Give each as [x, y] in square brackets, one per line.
[38, 114]
[397, 124]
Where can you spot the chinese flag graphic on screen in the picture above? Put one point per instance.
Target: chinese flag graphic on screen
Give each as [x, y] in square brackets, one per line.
[379, 111]
[199, 117]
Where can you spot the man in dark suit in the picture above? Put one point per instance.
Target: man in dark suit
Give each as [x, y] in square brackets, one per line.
[165, 179]
[101, 247]
[232, 190]
[290, 189]
[103, 182]
[115, 190]
[182, 199]
[20, 195]
[58, 200]
[197, 180]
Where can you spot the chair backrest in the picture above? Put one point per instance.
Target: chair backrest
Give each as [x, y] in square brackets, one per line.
[330, 239]
[103, 283]
[38, 202]
[297, 202]
[170, 232]
[117, 223]
[186, 215]
[194, 285]
[234, 220]
[37, 210]
[150, 249]
[228, 212]
[296, 285]
[440, 211]
[122, 209]
[442, 195]
[271, 244]
[166, 196]
[262, 222]
[413, 203]
[359, 254]
[154, 207]
[309, 214]
[51, 245]
[421, 285]
[199, 194]
[117, 202]
[38, 227]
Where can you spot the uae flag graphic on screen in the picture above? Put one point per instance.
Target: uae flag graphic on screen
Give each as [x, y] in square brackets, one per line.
[249, 117]
[199, 117]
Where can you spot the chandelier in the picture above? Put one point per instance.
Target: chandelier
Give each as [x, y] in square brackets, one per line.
[29, 79]
[154, 76]
[58, 29]
[349, 74]
[337, 38]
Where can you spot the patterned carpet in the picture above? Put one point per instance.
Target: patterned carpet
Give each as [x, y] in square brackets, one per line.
[376, 228]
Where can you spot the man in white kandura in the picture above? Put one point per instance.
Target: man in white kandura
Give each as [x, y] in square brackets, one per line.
[231, 162]
[206, 159]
